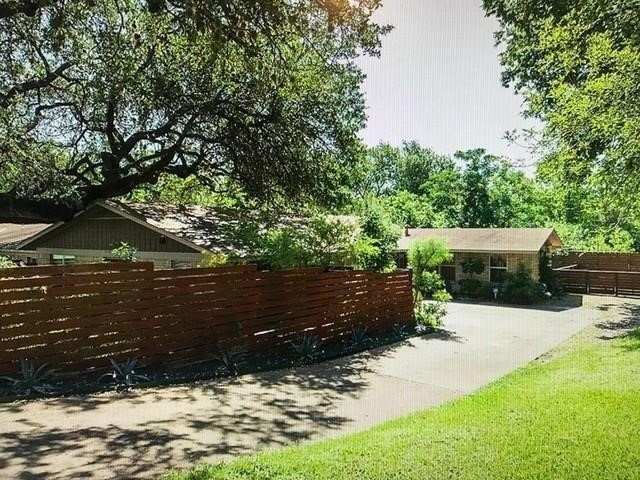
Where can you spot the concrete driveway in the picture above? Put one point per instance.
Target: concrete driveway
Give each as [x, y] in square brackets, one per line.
[143, 434]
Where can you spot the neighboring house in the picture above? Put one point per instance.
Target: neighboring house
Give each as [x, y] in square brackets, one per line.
[170, 236]
[501, 249]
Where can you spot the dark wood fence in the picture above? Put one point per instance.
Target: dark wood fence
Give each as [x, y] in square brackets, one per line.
[625, 262]
[75, 318]
[600, 282]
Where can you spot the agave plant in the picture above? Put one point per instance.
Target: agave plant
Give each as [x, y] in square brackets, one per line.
[359, 337]
[230, 362]
[307, 348]
[400, 330]
[31, 379]
[124, 374]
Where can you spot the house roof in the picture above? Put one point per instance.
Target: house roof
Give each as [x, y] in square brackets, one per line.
[505, 240]
[214, 229]
[12, 235]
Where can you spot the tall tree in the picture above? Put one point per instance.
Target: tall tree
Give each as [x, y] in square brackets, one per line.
[97, 98]
[476, 209]
[577, 62]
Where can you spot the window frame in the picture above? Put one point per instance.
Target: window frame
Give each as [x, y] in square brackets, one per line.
[494, 268]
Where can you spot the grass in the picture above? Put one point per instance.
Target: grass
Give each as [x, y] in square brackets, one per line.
[572, 415]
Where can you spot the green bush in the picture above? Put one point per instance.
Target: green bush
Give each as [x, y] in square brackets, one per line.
[472, 266]
[378, 229]
[548, 276]
[431, 314]
[485, 291]
[5, 262]
[125, 252]
[428, 282]
[520, 288]
[470, 287]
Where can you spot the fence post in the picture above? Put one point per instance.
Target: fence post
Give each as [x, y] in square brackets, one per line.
[586, 281]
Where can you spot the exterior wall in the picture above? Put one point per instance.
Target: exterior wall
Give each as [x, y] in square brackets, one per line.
[101, 229]
[26, 256]
[161, 260]
[531, 260]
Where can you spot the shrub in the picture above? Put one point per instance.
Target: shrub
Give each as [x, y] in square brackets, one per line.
[210, 259]
[125, 252]
[230, 363]
[377, 227]
[124, 375]
[430, 315]
[307, 349]
[427, 254]
[5, 262]
[485, 291]
[359, 337]
[470, 287]
[31, 379]
[428, 282]
[472, 266]
[520, 288]
[548, 276]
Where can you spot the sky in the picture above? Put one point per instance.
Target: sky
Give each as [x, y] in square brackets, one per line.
[438, 80]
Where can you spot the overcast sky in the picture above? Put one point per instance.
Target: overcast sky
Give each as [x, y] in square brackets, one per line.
[438, 80]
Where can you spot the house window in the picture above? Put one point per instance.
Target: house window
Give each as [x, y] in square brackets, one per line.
[448, 272]
[63, 259]
[498, 268]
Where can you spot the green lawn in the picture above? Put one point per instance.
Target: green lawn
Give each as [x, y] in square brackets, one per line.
[575, 414]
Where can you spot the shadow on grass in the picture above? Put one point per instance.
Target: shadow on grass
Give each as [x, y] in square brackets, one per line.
[626, 323]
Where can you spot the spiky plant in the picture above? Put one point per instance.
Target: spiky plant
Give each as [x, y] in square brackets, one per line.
[31, 379]
[230, 363]
[359, 337]
[123, 374]
[307, 349]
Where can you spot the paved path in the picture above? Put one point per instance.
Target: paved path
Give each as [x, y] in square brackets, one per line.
[145, 433]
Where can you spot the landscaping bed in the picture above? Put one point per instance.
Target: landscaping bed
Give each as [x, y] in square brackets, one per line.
[303, 351]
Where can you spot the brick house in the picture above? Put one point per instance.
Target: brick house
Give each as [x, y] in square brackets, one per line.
[500, 249]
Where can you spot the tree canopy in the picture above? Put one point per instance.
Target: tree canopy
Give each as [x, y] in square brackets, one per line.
[577, 63]
[98, 98]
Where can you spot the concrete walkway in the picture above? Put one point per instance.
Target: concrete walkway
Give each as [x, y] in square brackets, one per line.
[145, 433]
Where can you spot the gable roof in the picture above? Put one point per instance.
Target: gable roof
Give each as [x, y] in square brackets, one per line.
[13, 235]
[504, 240]
[200, 228]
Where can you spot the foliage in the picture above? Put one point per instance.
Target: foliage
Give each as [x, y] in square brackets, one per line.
[427, 254]
[125, 252]
[211, 259]
[431, 314]
[410, 209]
[472, 266]
[428, 282]
[123, 374]
[376, 225]
[230, 362]
[470, 287]
[485, 291]
[99, 98]
[359, 336]
[5, 262]
[31, 379]
[520, 288]
[307, 349]
[577, 63]
[322, 241]
[548, 276]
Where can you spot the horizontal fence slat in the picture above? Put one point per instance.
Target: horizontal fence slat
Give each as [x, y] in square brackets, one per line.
[77, 317]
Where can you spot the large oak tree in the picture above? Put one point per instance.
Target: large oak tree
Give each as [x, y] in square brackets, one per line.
[99, 97]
